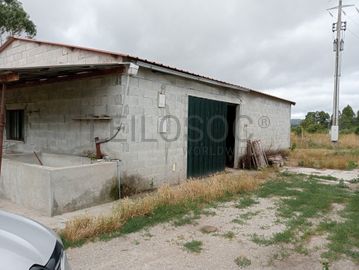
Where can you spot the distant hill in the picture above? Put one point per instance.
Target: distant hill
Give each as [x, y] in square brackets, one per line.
[295, 122]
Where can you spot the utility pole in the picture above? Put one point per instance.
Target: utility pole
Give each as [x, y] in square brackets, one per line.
[338, 48]
[339, 27]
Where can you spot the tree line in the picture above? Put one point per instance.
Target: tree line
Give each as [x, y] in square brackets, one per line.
[320, 121]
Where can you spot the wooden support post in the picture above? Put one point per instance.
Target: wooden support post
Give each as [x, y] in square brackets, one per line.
[4, 79]
[2, 121]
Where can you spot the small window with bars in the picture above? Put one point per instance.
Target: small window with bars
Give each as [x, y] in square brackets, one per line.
[15, 125]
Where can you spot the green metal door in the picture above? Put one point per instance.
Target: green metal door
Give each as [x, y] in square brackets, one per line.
[207, 133]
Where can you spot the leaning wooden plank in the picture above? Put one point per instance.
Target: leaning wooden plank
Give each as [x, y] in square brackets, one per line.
[260, 154]
[264, 153]
[252, 160]
[249, 156]
[253, 152]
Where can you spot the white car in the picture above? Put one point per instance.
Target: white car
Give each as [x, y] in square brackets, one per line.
[28, 245]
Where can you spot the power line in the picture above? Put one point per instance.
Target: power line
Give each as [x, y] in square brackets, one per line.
[354, 35]
[351, 19]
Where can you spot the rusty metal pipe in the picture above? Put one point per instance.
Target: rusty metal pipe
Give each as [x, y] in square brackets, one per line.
[99, 154]
[98, 143]
[38, 159]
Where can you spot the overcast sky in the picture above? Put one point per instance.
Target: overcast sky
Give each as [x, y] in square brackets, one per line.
[277, 46]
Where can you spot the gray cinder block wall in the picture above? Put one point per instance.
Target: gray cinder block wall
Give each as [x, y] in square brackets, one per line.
[52, 113]
[24, 54]
[53, 191]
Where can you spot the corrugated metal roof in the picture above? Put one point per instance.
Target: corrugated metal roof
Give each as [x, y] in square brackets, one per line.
[134, 58]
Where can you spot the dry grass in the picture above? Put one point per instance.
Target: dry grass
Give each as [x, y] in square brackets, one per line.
[207, 190]
[320, 140]
[324, 159]
[317, 151]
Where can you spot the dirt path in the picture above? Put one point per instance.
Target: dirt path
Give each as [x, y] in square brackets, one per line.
[339, 174]
[231, 247]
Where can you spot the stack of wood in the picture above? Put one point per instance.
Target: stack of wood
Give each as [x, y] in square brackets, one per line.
[256, 157]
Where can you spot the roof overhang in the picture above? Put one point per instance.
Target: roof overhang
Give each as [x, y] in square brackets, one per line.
[273, 97]
[184, 74]
[187, 75]
[29, 76]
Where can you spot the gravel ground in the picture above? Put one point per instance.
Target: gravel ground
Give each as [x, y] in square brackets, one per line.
[56, 222]
[162, 246]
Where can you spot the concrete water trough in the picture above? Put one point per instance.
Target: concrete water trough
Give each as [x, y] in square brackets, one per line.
[61, 184]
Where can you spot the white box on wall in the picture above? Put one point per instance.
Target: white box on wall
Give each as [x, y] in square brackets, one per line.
[161, 100]
[162, 125]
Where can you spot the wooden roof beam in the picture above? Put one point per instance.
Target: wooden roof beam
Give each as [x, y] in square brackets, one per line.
[9, 77]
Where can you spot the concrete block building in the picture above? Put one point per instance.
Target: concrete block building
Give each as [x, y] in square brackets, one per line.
[164, 124]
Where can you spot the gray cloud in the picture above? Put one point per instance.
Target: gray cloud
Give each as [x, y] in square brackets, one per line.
[278, 46]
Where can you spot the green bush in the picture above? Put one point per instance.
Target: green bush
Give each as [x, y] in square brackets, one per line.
[352, 165]
[297, 130]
